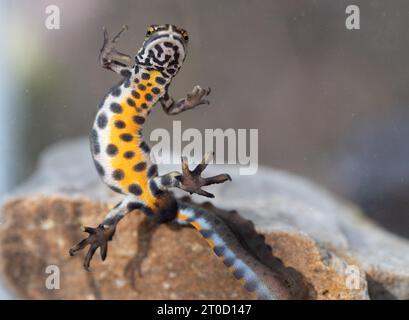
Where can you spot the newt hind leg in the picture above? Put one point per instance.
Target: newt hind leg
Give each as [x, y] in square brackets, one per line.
[98, 238]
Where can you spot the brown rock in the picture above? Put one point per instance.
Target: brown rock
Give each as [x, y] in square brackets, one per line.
[145, 261]
[311, 231]
[322, 268]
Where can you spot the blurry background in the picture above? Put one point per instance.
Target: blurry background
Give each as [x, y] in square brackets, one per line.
[330, 104]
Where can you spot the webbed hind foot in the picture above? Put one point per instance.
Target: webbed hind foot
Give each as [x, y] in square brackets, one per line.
[98, 238]
[192, 181]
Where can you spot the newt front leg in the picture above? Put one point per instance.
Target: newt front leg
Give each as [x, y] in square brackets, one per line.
[110, 58]
[192, 100]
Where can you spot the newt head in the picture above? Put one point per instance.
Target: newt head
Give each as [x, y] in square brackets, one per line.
[164, 48]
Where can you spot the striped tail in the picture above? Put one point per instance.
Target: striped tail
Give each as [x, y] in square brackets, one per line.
[254, 276]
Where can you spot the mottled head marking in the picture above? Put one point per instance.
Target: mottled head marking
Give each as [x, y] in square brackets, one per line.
[164, 48]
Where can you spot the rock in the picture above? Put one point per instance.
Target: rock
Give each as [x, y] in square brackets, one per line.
[53, 226]
[338, 252]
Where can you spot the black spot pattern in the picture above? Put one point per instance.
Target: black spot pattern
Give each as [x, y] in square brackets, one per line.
[155, 90]
[129, 154]
[228, 262]
[138, 119]
[154, 188]
[99, 168]
[141, 87]
[115, 107]
[111, 149]
[238, 273]
[159, 49]
[144, 106]
[219, 251]
[135, 189]
[145, 76]
[141, 166]
[135, 94]
[126, 137]
[120, 124]
[134, 206]
[116, 189]
[118, 174]
[116, 92]
[148, 97]
[95, 147]
[144, 146]
[207, 233]
[250, 286]
[102, 121]
[160, 80]
[165, 74]
[125, 73]
[153, 171]
[130, 102]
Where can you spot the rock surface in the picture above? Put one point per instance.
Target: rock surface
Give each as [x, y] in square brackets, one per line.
[339, 252]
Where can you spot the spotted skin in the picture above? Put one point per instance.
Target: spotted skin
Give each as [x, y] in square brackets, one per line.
[122, 157]
[120, 135]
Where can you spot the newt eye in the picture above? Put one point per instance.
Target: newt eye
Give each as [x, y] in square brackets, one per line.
[150, 30]
[184, 34]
